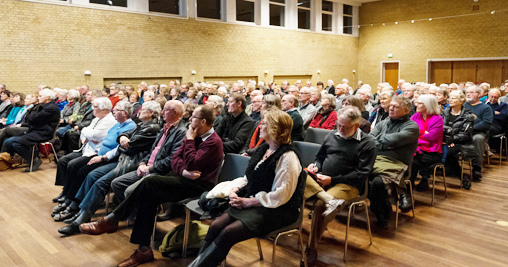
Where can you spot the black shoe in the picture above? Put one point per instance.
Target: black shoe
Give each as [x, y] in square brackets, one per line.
[66, 214]
[58, 197]
[423, 185]
[382, 221]
[59, 208]
[311, 256]
[36, 165]
[310, 214]
[405, 204]
[73, 218]
[61, 199]
[466, 184]
[477, 175]
[70, 229]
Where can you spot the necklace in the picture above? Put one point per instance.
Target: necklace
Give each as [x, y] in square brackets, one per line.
[269, 152]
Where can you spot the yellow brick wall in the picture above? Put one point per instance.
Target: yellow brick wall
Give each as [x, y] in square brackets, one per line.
[54, 44]
[462, 37]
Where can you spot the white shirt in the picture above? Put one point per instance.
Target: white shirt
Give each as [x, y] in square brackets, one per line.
[96, 131]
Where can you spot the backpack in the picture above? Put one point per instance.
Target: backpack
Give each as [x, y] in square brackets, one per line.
[172, 243]
[6, 161]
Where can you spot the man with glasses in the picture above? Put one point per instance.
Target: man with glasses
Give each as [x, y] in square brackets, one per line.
[293, 90]
[306, 109]
[289, 104]
[194, 167]
[236, 126]
[256, 109]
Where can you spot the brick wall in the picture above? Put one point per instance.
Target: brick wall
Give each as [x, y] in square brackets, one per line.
[462, 37]
[54, 44]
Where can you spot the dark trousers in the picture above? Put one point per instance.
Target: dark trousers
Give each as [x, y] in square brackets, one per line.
[68, 162]
[16, 145]
[76, 176]
[70, 142]
[452, 162]
[423, 162]
[10, 132]
[379, 198]
[153, 191]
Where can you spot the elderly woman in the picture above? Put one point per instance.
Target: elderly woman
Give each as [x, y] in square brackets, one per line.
[62, 97]
[174, 93]
[458, 128]
[17, 104]
[133, 99]
[20, 125]
[218, 106]
[189, 108]
[192, 96]
[71, 108]
[442, 97]
[430, 140]
[132, 147]
[122, 94]
[164, 91]
[107, 149]
[326, 116]
[381, 112]
[147, 96]
[356, 101]
[255, 140]
[267, 198]
[41, 127]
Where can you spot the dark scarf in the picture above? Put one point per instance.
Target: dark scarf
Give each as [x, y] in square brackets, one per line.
[325, 113]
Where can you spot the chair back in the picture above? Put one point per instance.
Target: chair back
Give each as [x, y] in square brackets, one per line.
[316, 135]
[306, 151]
[234, 166]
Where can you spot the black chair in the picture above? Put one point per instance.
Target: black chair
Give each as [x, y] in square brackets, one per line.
[234, 166]
[316, 135]
[306, 151]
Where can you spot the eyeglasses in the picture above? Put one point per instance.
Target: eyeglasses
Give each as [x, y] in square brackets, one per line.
[195, 117]
[344, 127]
[117, 110]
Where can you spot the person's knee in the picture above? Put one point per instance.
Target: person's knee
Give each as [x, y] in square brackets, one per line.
[377, 183]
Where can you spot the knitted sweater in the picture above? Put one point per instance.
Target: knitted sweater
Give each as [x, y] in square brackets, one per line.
[484, 116]
[430, 137]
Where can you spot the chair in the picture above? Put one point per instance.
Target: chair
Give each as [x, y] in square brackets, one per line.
[316, 135]
[462, 160]
[398, 202]
[360, 200]
[435, 166]
[234, 166]
[306, 151]
[50, 142]
[502, 137]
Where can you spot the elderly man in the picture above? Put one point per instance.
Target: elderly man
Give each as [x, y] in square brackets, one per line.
[293, 90]
[132, 146]
[237, 88]
[285, 87]
[208, 92]
[433, 90]
[482, 123]
[108, 150]
[364, 93]
[505, 97]
[82, 91]
[308, 84]
[500, 110]
[340, 94]
[235, 127]
[453, 87]
[315, 97]
[253, 94]
[42, 123]
[289, 104]
[298, 84]
[256, 109]
[396, 141]
[142, 87]
[330, 88]
[399, 87]
[355, 152]
[194, 165]
[113, 91]
[408, 91]
[306, 109]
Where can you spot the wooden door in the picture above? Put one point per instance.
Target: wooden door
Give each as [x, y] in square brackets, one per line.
[464, 71]
[490, 71]
[391, 74]
[441, 72]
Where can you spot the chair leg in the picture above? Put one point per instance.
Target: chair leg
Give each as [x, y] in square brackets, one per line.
[32, 163]
[186, 232]
[412, 198]
[433, 186]
[368, 220]
[461, 172]
[107, 202]
[154, 227]
[471, 168]
[444, 181]
[274, 249]
[397, 214]
[500, 150]
[56, 156]
[301, 247]
[351, 207]
[258, 242]
[47, 153]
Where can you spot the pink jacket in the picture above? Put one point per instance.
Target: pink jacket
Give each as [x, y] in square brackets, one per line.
[432, 141]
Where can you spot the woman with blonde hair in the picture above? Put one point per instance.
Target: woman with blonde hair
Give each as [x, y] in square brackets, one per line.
[267, 198]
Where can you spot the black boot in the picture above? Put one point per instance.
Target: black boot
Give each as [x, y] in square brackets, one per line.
[203, 247]
[210, 257]
[405, 203]
[37, 163]
[423, 185]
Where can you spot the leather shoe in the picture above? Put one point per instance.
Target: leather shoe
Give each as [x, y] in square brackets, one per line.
[56, 198]
[36, 164]
[98, 227]
[137, 258]
[73, 218]
[405, 204]
[423, 185]
[66, 214]
[311, 256]
[71, 229]
[477, 175]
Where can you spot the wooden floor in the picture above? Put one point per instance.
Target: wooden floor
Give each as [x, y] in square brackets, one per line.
[466, 229]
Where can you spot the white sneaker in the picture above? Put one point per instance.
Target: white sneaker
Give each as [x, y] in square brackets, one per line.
[332, 208]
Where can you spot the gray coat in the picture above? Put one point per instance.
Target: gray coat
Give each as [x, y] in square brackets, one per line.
[69, 110]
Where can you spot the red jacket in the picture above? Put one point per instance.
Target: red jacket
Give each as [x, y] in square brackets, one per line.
[328, 124]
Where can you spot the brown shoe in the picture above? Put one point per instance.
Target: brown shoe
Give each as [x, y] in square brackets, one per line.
[311, 256]
[137, 258]
[98, 227]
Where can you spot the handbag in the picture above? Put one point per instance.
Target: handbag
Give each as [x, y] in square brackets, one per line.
[213, 207]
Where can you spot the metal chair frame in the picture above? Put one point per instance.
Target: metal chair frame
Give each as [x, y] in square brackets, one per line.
[50, 142]
[398, 202]
[439, 165]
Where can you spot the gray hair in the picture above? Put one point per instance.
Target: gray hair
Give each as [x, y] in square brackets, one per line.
[430, 103]
[3, 87]
[408, 85]
[366, 89]
[73, 94]
[149, 93]
[459, 94]
[477, 89]
[454, 84]
[103, 103]
[126, 106]
[218, 100]
[48, 93]
[350, 113]
[152, 106]
[495, 90]
[403, 101]
[388, 94]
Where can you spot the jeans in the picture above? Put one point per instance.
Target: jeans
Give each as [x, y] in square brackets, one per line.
[95, 187]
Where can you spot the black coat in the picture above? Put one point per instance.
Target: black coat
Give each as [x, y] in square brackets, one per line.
[234, 131]
[86, 120]
[172, 143]
[41, 124]
[459, 131]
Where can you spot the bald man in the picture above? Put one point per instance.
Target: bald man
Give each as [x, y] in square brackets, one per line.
[289, 104]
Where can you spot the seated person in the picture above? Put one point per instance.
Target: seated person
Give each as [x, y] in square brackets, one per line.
[19, 126]
[194, 168]
[108, 151]
[381, 112]
[147, 96]
[5, 97]
[267, 198]
[365, 93]
[396, 141]
[326, 116]
[17, 104]
[217, 103]
[355, 101]
[41, 127]
[442, 98]
[254, 139]
[289, 104]
[355, 152]
[133, 147]
[315, 97]
[482, 123]
[306, 109]
[256, 109]
[236, 125]
[71, 108]
[458, 134]
[500, 112]
[62, 98]
[430, 139]
[187, 113]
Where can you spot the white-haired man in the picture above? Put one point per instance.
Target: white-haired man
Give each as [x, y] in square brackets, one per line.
[306, 109]
[399, 87]
[330, 87]
[364, 93]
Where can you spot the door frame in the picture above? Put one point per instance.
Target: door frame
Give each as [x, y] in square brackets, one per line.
[383, 69]
[429, 61]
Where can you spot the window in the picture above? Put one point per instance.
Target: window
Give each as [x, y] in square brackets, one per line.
[210, 9]
[245, 10]
[277, 12]
[122, 3]
[165, 6]
[327, 16]
[304, 14]
[347, 20]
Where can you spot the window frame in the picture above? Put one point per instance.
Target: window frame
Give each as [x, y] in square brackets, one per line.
[311, 19]
[284, 20]
[331, 13]
[182, 12]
